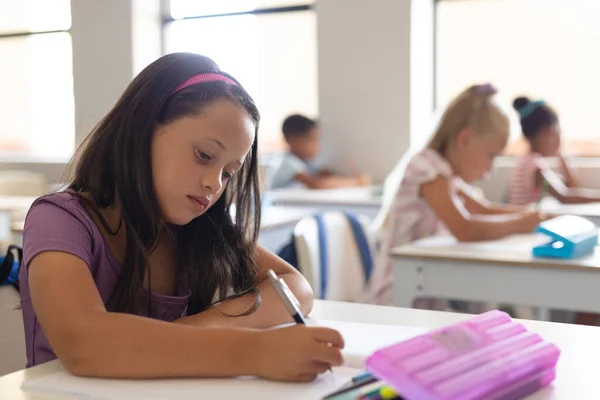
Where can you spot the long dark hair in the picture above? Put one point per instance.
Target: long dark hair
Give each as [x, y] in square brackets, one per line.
[214, 255]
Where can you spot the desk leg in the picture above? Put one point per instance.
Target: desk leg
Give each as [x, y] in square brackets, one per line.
[407, 282]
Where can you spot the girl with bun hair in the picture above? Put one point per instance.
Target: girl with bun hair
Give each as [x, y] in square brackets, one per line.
[533, 174]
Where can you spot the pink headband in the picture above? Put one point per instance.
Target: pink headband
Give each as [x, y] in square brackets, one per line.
[201, 78]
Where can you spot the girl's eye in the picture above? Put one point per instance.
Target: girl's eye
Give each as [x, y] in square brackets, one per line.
[227, 175]
[203, 156]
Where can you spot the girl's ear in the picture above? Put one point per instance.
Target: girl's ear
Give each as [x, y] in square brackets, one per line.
[464, 137]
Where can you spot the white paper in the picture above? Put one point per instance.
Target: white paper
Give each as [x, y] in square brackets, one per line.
[361, 340]
[189, 389]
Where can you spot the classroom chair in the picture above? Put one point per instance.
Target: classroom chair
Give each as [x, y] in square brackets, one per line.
[334, 251]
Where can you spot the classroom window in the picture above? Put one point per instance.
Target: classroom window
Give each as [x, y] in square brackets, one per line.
[36, 80]
[545, 49]
[271, 51]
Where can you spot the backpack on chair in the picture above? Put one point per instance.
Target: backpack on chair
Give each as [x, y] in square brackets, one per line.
[9, 267]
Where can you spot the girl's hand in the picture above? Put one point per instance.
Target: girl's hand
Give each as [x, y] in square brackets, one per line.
[364, 179]
[297, 353]
[533, 219]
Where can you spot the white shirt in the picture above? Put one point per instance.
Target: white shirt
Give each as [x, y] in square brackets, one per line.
[411, 219]
[289, 166]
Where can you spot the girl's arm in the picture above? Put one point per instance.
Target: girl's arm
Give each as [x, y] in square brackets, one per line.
[563, 193]
[90, 341]
[442, 197]
[331, 181]
[569, 178]
[480, 205]
[271, 311]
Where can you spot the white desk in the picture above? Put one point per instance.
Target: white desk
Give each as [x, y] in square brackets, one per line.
[13, 210]
[277, 225]
[577, 371]
[359, 200]
[590, 211]
[501, 271]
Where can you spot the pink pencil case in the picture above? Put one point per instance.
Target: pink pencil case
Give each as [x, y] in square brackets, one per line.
[490, 356]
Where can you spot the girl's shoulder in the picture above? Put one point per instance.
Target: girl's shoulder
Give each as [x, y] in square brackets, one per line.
[57, 206]
[427, 165]
[60, 220]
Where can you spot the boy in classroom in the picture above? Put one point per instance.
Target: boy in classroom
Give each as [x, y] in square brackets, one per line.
[533, 177]
[434, 196]
[138, 270]
[297, 166]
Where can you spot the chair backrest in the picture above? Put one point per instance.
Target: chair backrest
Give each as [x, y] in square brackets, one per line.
[341, 271]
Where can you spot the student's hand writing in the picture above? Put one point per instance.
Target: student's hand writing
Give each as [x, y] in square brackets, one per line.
[296, 353]
[533, 219]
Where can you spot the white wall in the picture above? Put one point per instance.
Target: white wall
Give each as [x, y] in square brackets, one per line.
[112, 40]
[375, 79]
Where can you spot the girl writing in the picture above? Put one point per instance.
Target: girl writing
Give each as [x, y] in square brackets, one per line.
[138, 270]
[533, 174]
[434, 195]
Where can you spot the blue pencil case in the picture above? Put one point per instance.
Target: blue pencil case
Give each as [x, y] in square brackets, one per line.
[570, 237]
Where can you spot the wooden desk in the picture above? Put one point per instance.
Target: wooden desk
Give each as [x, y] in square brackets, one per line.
[501, 271]
[576, 371]
[590, 211]
[360, 200]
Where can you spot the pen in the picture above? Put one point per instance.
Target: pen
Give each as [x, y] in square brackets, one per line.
[288, 299]
[362, 376]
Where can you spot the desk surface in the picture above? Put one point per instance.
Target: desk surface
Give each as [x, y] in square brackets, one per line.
[577, 367]
[589, 210]
[513, 250]
[276, 217]
[358, 196]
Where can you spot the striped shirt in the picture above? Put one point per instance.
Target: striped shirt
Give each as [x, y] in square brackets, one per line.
[411, 219]
[521, 185]
[59, 222]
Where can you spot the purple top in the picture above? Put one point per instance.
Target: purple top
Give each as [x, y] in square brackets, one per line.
[59, 222]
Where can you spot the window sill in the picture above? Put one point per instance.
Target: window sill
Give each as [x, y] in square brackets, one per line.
[576, 162]
[26, 159]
